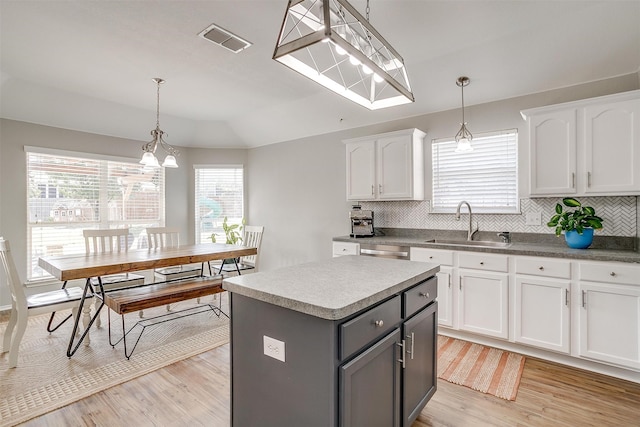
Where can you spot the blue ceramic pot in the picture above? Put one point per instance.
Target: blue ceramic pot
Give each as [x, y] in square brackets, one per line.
[579, 241]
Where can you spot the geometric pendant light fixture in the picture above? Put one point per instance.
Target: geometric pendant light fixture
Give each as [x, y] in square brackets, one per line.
[149, 149]
[331, 43]
[463, 137]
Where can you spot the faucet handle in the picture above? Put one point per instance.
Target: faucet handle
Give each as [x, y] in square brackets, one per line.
[506, 236]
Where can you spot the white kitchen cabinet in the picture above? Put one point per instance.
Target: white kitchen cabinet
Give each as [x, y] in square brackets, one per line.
[609, 313]
[445, 280]
[542, 310]
[483, 299]
[585, 148]
[345, 248]
[387, 166]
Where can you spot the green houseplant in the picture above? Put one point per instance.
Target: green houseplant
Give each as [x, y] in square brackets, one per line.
[577, 222]
[233, 234]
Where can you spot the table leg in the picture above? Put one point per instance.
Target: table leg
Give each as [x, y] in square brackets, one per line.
[87, 320]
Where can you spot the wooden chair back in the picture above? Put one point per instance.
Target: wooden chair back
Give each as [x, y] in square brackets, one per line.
[252, 236]
[106, 241]
[15, 286]
[163, 237]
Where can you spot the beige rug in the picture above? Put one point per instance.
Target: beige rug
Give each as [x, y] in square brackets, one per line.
[46, 379]
[481, 368]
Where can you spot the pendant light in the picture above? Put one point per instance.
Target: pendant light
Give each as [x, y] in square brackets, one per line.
[149, 158]
[463, 137]
[331, 43]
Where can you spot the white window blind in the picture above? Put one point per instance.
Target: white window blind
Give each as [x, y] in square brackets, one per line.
[487, 177]
[68, 193]
[219, 193]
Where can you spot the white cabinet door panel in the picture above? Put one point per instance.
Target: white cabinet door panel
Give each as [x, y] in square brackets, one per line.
[484, 303]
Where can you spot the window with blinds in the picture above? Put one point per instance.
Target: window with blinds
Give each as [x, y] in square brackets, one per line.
[487, 177]
[219, 193]
[68, 192]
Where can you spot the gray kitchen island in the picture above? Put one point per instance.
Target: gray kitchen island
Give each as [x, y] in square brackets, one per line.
[350, 341]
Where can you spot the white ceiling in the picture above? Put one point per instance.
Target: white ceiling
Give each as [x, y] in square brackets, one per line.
[88, 65]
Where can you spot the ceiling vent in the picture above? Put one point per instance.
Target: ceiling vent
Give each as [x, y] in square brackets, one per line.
[224, 38]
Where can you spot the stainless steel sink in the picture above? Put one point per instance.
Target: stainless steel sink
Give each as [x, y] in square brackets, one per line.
[476, 243]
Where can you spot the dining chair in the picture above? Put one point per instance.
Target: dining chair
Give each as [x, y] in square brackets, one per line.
[23, 306]
[109, 241]
[169, 237]
[251, 236]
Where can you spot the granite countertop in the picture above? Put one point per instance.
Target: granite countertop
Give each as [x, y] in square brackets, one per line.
[547, 246]
[332, 289]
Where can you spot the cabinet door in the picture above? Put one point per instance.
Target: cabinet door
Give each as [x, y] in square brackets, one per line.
[542, 313]
[420, 373]
[483, 303]
[370, 386]
[445, 296]
[552, 153]
[395, 167]
[361, 170]
[610, 323]
[612, 147]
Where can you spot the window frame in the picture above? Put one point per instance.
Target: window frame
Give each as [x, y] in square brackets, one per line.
[448, 205]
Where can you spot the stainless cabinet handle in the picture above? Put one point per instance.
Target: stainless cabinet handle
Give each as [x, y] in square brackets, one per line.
[541, 268]
[573, 180]
[380, 188]
[588, 179]
[402, 360]
[422, 294]
[412, 337]
[584, 299]
[450, 279]
[612, 274]
[378, 323]
[566, 297]
[373, 189]
[481, 262]
[460, 283]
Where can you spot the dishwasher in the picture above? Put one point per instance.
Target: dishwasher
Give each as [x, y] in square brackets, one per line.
[384, 251]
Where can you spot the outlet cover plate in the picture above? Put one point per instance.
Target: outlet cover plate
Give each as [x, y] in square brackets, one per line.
[273, 348]
[533, 218]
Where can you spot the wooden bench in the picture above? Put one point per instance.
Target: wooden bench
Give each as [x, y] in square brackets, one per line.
[149, 296]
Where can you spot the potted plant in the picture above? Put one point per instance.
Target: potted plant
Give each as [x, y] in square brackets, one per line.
[577, 223]
[233, 233]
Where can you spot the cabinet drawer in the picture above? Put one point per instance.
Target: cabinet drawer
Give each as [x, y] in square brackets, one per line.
[543, 267]
[419, 296]
[346, 248]
[610, 273]
[480, 261]
[432, 255]
[368, 326]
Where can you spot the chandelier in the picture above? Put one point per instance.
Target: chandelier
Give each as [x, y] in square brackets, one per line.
[149, 158]
[463, 137]
[331, 43]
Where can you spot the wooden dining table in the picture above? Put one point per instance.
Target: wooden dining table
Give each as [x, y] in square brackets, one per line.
[71, 267]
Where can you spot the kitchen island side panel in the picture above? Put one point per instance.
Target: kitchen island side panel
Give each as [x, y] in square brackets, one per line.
[266, 391]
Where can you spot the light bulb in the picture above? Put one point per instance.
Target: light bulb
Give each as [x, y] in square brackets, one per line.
[377, 78]
[366, 69]
[340, 51]
[170, 162]
[354, 60]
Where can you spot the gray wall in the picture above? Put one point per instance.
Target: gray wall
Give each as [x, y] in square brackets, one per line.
[295, 189]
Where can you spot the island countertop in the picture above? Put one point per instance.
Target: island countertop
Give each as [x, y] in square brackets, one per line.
[332, 289]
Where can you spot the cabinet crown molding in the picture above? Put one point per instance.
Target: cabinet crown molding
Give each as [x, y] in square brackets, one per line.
[622, 96]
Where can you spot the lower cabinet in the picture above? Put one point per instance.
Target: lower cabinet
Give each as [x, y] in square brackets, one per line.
[484, 303]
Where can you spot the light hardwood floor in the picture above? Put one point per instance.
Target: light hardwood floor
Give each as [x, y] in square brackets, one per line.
[195, 392]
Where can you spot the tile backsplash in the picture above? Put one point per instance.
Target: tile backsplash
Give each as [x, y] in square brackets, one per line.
[621, 216]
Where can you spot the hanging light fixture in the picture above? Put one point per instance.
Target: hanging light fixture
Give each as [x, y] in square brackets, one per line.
[463, 137]
[149, 158]
[331, 43]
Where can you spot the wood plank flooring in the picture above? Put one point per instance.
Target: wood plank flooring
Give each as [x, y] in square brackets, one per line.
[195, 392]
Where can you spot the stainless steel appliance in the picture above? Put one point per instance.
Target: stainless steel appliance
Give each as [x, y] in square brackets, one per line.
[384, 251]
[361, 222]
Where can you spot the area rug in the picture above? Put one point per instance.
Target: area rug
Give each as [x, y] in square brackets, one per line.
[481, 368]
[46, 379]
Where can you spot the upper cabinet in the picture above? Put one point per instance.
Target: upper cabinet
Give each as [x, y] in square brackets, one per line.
[388, 166]
[586, 148]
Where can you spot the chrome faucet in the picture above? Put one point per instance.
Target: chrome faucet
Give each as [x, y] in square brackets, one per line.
[471, 231]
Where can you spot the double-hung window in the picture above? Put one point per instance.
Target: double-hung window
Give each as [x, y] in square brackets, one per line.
[487, 177]
[219, 194]
[69, 191]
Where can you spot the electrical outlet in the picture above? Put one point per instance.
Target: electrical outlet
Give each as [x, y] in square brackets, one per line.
[533, 218]
[273, 348]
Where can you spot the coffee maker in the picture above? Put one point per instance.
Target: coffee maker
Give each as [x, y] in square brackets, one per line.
[361, 222]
